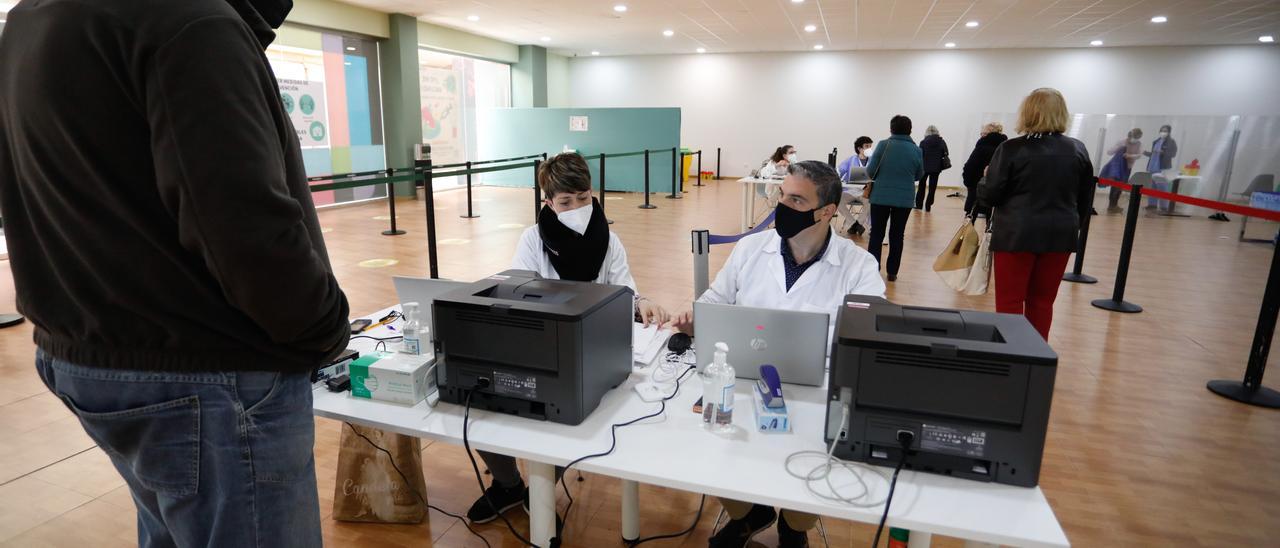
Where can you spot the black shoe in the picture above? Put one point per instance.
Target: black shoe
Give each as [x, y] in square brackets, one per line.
[503, 499]
[738, 532]
[791, 538]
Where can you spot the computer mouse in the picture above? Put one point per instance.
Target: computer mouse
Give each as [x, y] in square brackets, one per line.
[679, 343]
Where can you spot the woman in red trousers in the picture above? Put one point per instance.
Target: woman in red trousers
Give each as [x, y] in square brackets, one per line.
[1040, 185]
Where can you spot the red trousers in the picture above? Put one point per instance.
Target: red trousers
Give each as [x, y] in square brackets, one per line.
[1027, 283]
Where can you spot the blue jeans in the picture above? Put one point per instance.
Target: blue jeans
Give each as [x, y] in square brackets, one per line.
[212, 459]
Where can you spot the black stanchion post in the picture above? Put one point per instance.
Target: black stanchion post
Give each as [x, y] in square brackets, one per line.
[470, 214]
[1077, 274]
[428, 193]
[1117, 303]
[646, 204]
[1251, 391]
[717, 162]
[607, 219]
[698, 182]
[675, 174]
[537, 196]
[391, 204]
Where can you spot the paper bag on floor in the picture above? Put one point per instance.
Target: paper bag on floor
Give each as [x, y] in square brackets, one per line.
[368, 488]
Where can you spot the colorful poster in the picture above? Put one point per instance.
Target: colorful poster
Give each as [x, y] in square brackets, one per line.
[304, 102]
[441, 113]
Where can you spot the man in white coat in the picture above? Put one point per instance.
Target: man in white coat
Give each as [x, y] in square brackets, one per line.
[800, 265]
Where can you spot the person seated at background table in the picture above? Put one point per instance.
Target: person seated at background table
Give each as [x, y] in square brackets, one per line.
[861, 154]
[799, 265]
[571, 241]
[776, 165]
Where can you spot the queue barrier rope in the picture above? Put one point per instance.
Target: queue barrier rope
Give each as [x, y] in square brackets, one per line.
[716, 239]
[1238, 209]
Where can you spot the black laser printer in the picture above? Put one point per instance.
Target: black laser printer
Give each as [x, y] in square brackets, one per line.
[533, 347]
[972, 388]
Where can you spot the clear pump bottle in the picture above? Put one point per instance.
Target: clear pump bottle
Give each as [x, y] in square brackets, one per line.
[412, 330]
[718, 380]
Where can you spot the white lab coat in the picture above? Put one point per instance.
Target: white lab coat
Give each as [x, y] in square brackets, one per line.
[530, 255]
[772, 171]
[754, 276]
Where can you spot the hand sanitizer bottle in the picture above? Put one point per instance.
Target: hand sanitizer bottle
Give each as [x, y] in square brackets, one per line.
[412, 343]
[718, 381]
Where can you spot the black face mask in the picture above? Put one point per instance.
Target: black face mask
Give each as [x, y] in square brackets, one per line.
[273, 12]
[789, 222]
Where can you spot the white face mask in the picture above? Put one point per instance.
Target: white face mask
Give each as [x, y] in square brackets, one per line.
[576, 219]
[791, 157]
[1164, 134]
[866, 152]
[1135, 140]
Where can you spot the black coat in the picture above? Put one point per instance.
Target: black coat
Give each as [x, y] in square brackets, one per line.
[1040, 187]
[981, 157]
[934, 149]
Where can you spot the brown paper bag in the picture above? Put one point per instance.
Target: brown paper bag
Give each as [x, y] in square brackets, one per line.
[368, 488]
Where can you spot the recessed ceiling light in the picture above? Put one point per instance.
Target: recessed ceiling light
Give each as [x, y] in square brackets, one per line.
[702, 50]
[668, 33]
[546, 38]
[1159, 19]
[971, 24]
[619, 8]
[797, 1]
[949, 45]
[473, 17]
[818, 46]
[1096, 43]
[810, 28]
[595, 53]
[351, 48]
[1267, 39]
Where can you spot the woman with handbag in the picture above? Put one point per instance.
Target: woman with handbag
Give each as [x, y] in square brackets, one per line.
[894, 168]
[936, 160]
[1041, 186]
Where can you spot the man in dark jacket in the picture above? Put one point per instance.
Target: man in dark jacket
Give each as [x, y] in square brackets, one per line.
[164, 243]
[990, 139]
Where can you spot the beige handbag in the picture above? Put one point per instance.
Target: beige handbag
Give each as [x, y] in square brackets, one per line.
[957, 259]
[980, 273]
[369, 488]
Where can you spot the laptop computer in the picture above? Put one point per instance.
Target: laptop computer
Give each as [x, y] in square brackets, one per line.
[793, 342]
[423, 291]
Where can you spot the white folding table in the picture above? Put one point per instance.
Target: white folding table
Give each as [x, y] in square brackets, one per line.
[675, 451]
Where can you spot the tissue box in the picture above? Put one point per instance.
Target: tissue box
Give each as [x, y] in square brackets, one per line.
[393, 377]
[769, 419]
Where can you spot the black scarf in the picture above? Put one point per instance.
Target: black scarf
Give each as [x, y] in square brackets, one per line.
[575, 256]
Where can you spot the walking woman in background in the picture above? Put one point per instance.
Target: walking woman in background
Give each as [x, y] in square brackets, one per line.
[895, 166]
[991, 137]
[936, 160]
[1040, 185]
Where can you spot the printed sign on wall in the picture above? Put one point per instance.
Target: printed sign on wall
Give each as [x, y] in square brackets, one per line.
[304, 102]
[441, 111]
[577, 123]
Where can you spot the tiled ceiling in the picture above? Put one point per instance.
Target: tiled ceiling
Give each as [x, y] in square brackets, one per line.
[577, 27]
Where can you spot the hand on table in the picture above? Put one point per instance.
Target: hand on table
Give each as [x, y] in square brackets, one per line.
[652, 313]
[682, 322]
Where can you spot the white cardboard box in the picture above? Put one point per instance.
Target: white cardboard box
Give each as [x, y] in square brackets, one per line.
[393, 377]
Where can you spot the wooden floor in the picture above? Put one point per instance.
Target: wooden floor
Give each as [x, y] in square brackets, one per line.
[1139, 453]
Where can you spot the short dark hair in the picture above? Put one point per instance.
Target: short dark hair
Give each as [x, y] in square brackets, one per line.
[861, 142]
[823, 176]
[900, 125]
[1167, 128]
[565, 172]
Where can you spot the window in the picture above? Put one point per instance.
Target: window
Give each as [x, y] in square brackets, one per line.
[329, 86]
[457, 93]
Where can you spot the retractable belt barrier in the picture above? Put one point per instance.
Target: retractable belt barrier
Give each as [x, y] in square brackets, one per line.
[702, 242]
[1250, 390]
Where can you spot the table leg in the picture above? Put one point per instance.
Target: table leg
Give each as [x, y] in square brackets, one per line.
[542, 502]
[746, 189]
[630, 510]
[976, 544]
[751, 211]
[919, 539]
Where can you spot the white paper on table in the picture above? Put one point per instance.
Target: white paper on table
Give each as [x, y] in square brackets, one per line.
[647, 342]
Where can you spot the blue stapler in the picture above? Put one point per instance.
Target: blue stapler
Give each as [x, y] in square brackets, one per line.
[770, 387]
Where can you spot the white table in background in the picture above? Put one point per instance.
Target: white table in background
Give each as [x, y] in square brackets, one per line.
[675, 451]
[749, 198]
[1169, 208]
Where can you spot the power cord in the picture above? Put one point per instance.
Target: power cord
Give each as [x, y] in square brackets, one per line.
[692, 526]
[466, 443]
[823, 472]
[904, 439]
[410, 487]
[613, 443]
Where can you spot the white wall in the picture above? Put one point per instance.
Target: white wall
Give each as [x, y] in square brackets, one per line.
[557, 81]
[750, 103]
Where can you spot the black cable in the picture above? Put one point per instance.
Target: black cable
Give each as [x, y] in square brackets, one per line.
[613, 444]
[410, 487]
[904, 439]
[466, 444]
[690, 529]
[353, 337]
